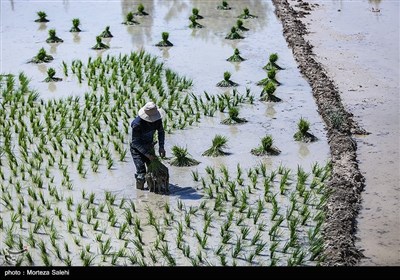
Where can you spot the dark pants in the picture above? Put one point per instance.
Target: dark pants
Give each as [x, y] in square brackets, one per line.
[140, 161]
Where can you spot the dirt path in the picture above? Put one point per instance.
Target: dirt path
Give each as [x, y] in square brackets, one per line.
[361, 54]
[363, 61]
[347, 181]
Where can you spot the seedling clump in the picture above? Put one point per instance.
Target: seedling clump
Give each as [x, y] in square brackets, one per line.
[140, 11]
[234, 35]
[181, 157]
[129, 19]
[193, 23]
[53, 37]
[236, 57]
[106, 33]
[164, 42]
[75, 25]
[233, 117]
[226, 82]
[42, 57]
[246, 14]
[239, 25]
[272, 63]
[266, 147]
[42, 17]
[50, 76]
[218, 144]
[224, 6]
[267, 93]
[99, 44]
[195, 13]
[302, 134]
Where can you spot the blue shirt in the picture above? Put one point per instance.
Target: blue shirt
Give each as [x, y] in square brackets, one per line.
[143, 135]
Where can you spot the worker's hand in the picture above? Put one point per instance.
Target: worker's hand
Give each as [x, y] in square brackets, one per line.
[161, 152]
[151, 157]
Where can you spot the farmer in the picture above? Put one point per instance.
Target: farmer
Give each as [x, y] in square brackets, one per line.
[142, 145]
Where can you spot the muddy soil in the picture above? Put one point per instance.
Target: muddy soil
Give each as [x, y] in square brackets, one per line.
[347, 181]
[363, 60]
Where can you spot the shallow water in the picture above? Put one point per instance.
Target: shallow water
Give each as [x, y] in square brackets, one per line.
[361, 54]
[199, 55]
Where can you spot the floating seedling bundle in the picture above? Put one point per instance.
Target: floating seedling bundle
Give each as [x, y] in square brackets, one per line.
[99, 44]
[246, 14]
[234, 35]
[193, 23]
[273, 58]
[218, 144]
[182, 157]
[226, 82]
[42, 17]
[106, 33]
[233, 117]
[266, 147]
[130, 19]
[267, 94]
[75, 25]
[224, 6]
[140, 11]
[51, 76]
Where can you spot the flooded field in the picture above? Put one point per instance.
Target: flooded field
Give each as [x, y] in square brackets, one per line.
[67, 177]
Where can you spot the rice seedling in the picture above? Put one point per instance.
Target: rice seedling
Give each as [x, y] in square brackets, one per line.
[106, 33]
[238, 248]
[193, 23]
[266, 147]
[235, 57]
[75, 25]
[42, 57]
[51, 76]
[234, 35]
[42, 17]
[99, 44]
[239, 25]
[165, 42]
[272, 62]
[233, 117]
[302, 134]
[181, 157]
[122, 231]
[246, 14]
[224, 6]
[140, 11]
[218, 144]
[53, 37]
[226, 82]
[129, 20]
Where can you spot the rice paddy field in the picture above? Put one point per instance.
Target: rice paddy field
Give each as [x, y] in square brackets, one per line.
[68, 197]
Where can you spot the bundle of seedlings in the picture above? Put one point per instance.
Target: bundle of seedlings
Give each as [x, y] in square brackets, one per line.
[267, 94]
[106, 33]
[246, 14]
[233, 117]
[272, 63]
[140, 11]
[236, 57]
[271, 77]
[239, 25]
[157, 177]
[42, 17]
[164, 42]
[99, 44]
[181, 157]
[50, 76]
[224, 6]
[42, 57]
[129, 19]
[193, 23]
[234, 35]
[226, 82]
[218, 144]
[53, 37]
[302, 134]
[195, 13]
[75, 25]
[266, 147]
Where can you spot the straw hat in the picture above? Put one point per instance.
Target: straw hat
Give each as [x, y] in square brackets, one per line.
[149, 112]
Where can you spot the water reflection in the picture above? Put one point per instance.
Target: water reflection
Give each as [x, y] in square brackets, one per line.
[53, 48]
[270, 112]
[52, 87]
[165, 52]
[76, 38]
[303, 150]
[42, 26]
[42, 67]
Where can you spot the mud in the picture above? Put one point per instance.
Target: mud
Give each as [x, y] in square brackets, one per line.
[347, 181]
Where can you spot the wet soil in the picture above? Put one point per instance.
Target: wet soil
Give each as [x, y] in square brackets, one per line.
[347, 181]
